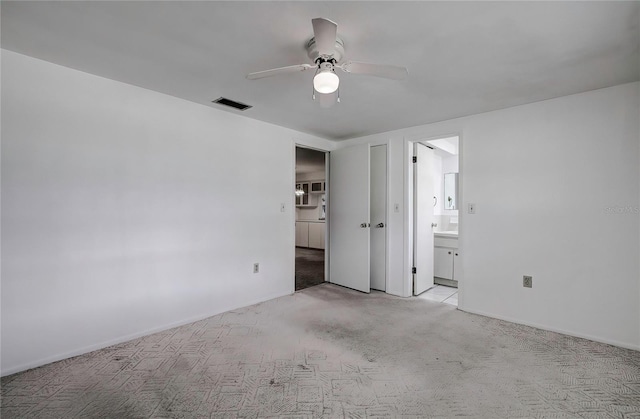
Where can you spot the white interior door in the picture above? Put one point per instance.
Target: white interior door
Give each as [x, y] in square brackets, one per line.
[378, 263]
[349, 218]
[423, 218]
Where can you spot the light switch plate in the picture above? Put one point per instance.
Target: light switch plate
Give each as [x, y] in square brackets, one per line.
[471, 208]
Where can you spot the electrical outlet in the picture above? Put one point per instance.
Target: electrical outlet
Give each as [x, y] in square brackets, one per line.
[527, 281]
[256, 268]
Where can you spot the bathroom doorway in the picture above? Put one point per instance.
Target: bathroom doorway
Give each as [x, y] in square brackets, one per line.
[443, 168]
[310, 217]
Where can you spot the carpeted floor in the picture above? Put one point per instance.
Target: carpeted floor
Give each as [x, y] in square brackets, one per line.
[309, 267]
[331, 352]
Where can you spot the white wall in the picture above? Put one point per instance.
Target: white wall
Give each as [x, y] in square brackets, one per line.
[126, 211]
[450, 164]
[310, 214]
[546, 175]
[556, 188]
[396, 220]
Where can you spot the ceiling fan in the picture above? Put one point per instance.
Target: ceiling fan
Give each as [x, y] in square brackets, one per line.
[326, 50]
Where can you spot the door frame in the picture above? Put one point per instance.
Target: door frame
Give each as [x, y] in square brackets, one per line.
[409, 207]
[327, 161]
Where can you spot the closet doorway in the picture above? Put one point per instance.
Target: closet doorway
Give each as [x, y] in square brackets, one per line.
[310, 215]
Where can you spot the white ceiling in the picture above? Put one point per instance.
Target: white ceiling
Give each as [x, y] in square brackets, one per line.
[463, 57]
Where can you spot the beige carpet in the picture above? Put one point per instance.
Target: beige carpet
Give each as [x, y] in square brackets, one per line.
[331, 352]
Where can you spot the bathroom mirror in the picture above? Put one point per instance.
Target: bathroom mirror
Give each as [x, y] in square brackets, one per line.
[450, 191]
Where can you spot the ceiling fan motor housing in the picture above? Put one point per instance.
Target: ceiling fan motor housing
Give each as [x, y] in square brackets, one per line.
[338, 53]
[325, 65]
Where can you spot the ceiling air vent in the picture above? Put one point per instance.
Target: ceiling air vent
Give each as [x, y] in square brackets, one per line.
[232, 103]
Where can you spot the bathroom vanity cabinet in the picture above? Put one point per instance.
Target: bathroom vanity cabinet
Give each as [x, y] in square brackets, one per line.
[446, 259]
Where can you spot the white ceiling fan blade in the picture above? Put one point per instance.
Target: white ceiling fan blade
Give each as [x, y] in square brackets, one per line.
[380, 70]
[281, 70]
[325, 32]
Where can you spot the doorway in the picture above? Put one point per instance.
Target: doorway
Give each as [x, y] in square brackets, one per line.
[310, 217]
[436, 231]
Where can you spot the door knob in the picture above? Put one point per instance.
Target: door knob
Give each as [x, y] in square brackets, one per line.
[380, 225]
[363, 225]
[434, 225]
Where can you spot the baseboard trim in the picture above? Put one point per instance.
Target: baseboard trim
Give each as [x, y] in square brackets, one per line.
[132, 336]
[599, 339]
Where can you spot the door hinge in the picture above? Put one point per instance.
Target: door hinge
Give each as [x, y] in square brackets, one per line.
[414, 270]
[415, 159]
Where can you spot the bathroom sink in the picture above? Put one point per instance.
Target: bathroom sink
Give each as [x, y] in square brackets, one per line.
[446, 233]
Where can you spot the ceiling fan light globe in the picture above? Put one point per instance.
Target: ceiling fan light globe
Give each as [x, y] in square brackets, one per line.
[326, 82]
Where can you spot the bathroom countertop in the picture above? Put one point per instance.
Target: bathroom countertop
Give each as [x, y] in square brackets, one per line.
[446, 233]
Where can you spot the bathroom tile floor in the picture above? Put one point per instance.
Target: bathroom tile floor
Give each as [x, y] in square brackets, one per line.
[441, 294]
